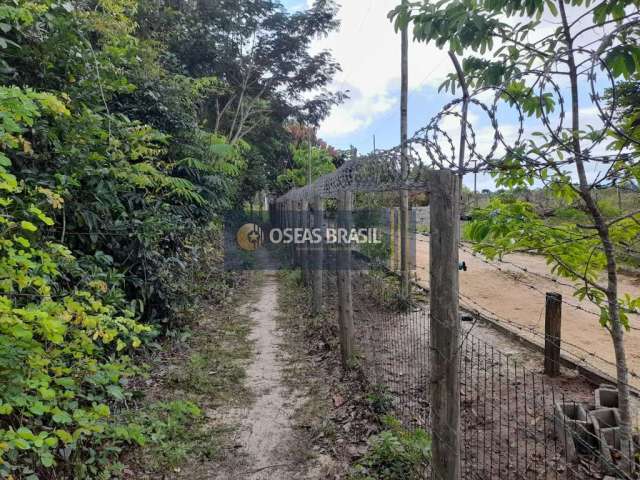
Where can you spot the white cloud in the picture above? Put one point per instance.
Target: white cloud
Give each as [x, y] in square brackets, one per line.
[368, 49]
[361, 112]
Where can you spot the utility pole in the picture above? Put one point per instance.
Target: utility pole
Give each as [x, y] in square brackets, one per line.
[404, 167]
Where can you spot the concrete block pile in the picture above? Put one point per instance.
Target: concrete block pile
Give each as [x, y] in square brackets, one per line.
[593, 428]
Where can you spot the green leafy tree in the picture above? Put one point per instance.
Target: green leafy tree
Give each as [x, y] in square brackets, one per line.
[114, 164]
[309, 163]
[493, 37]
[260, 54]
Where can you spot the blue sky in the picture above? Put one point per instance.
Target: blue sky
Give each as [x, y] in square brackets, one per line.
[368, 51]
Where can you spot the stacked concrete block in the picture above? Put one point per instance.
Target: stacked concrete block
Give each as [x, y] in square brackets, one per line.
[606, 396]
[593, 428]
[606, 425]
[573, 428]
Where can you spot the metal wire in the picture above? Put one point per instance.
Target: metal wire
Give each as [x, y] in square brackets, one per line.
[433, 148]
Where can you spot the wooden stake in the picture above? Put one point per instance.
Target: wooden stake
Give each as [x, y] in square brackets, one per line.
[445, 325]
[317, 262]
[552, 334]
[404, 164]
[305, 222]
[289, 217]
[343, 267]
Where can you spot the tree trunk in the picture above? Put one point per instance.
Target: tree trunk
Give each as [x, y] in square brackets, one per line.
[616, 328]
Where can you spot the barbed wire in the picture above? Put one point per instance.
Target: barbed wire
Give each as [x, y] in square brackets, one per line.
[433, 147]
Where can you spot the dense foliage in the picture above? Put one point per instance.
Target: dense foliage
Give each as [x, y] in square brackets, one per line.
[112, 157]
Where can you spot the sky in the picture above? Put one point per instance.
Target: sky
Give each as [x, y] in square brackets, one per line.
[368, 50]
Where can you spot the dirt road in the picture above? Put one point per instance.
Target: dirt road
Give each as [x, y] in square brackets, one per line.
[265, 436]
[505, 291]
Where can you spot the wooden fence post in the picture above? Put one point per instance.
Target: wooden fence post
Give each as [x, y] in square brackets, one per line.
[318, 259]
[445, 325]
[552, 334]
[298, 224]
[405, 284]
[396, 239]
[272, 211]
[305, 222]
[343, 267]
[292, 251]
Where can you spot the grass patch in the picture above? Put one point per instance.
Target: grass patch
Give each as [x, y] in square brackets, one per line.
[169, 433]
[380, 399]
[190, 378]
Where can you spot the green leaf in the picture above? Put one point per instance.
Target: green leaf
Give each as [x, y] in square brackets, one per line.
[64, 436]
[28, 226]
[60, 416]
[25, 433]
[115, 391]
[47, 393]
[102, 410]
[21, 444]
[38, 408]
[46, 459]
[552, 7]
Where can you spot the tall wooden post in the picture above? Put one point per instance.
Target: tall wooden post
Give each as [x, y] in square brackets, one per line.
[318, 257]
[273, 213]
[552, 334]
[445, 325]
[392, 239]
[298, 224]
[343, 267]
[404, 164]
[304, 248]
[290, 211]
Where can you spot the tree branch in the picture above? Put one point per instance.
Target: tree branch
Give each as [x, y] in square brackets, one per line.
[612, 222]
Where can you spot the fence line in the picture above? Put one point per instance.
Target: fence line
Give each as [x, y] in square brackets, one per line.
[489, 415]
[515, 422]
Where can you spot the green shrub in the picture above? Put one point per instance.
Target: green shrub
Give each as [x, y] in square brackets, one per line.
[394, 454]
[378, 253]
[380, 399]
[168, 432]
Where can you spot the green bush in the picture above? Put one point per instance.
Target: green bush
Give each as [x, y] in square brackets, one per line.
[380, 399]
[167, 432]
[394, 454]
[94, 214]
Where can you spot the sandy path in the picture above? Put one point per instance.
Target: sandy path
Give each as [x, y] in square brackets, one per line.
[505, 294]
[265, 435]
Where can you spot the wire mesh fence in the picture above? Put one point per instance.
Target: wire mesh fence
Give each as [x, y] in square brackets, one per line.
[508, 420]
[515, 422]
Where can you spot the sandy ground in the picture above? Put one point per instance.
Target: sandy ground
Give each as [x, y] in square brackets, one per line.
[265, 434]
[507, 295]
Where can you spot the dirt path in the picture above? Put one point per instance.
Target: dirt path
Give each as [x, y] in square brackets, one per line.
[265, 436]
[507, 294]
